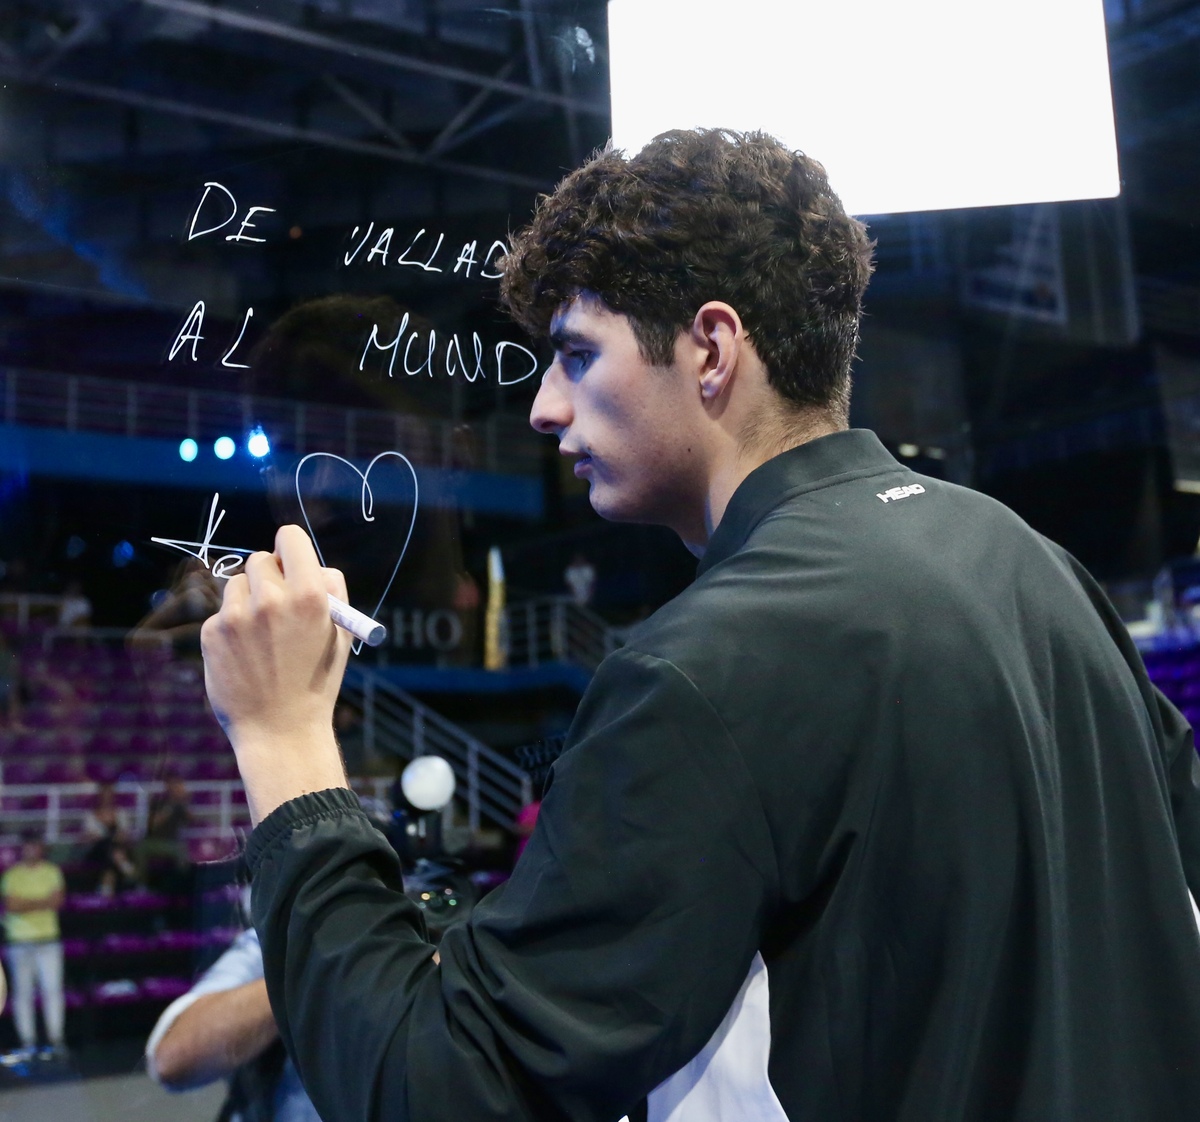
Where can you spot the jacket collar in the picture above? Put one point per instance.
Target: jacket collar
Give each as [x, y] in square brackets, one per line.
[807, 467]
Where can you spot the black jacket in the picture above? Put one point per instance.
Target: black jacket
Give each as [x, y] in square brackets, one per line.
[881, 817]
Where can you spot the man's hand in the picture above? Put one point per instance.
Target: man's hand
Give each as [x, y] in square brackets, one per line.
[273, 665]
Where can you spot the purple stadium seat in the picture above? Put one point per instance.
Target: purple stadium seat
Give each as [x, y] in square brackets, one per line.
[24, 771]
[62, 771]
[221, 936]
[100, 770]
[124, 943]
[127, 693]
[123, 991]
[203, 850]
[145, 900]
[75, 999]
[177, 743]
[107, 743]
[225, 894]
[165, 989]
[180, 940]
[208, 768]
[40, 717]
[145, 744]
[76, 948]
[90, 902]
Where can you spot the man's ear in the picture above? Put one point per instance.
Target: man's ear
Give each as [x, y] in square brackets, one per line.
[718, 334]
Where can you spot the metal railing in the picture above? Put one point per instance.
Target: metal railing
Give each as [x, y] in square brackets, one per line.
[60, 811]
[394, 721]
[557, 629]
[24, 607]
[218, 807]
[81, 403]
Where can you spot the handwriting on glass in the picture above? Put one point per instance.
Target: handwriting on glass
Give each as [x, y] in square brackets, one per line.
[229, 557]
[468, 255]
[220, 207]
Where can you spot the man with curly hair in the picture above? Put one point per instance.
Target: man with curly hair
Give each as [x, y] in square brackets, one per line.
[880, 819]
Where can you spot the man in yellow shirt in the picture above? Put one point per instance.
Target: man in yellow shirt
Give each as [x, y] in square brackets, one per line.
[33, 891]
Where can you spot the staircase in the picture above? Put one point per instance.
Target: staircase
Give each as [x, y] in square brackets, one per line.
[394, 721]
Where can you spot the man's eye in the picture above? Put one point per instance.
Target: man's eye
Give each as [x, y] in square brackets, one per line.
[579, 359]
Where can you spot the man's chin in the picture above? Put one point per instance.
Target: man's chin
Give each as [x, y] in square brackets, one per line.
[612, 509]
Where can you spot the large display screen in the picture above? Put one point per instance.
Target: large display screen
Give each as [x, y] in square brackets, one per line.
[926, 105]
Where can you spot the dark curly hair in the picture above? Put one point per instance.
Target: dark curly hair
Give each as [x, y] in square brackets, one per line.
[697, 216]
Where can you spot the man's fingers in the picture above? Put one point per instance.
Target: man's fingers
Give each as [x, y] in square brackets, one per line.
[335, 584]
[236, 591]
[262, 569]
[297, 557]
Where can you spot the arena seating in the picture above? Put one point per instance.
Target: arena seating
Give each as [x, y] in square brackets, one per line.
[97, 712]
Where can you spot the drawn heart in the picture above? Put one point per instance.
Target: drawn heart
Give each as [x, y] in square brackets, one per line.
[366, 499]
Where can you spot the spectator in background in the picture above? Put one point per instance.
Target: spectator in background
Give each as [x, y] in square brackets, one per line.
[222, 1028]
[10, 686]
[170, 814]
[580, 577]
[75, 610]
[33, 891]
[106, 833]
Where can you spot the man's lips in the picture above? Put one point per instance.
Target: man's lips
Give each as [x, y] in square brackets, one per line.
[582, 459]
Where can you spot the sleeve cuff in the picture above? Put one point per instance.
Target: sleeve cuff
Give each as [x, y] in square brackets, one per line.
[305, 810]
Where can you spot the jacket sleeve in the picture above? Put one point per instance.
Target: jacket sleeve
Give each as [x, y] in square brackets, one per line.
[600, 968]
[1175, 739]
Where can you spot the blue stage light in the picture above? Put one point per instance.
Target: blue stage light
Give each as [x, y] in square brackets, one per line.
[122, 554]
[224, 447]
[257, 444]
[187, 450]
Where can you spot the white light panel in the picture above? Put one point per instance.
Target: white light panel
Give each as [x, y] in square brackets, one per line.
[920, 105]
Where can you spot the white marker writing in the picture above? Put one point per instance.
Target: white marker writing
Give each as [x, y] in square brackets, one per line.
[359, 624]
[189, 331]
[237, 343]
[448, 365]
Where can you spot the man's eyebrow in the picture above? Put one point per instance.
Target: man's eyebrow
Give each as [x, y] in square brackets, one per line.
[561, 338]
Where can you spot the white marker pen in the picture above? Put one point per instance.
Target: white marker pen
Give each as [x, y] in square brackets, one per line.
[359, 624]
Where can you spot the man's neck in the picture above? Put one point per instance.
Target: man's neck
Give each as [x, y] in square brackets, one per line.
[741, 459]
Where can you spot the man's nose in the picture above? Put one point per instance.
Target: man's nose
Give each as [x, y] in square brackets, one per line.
[551, 412]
